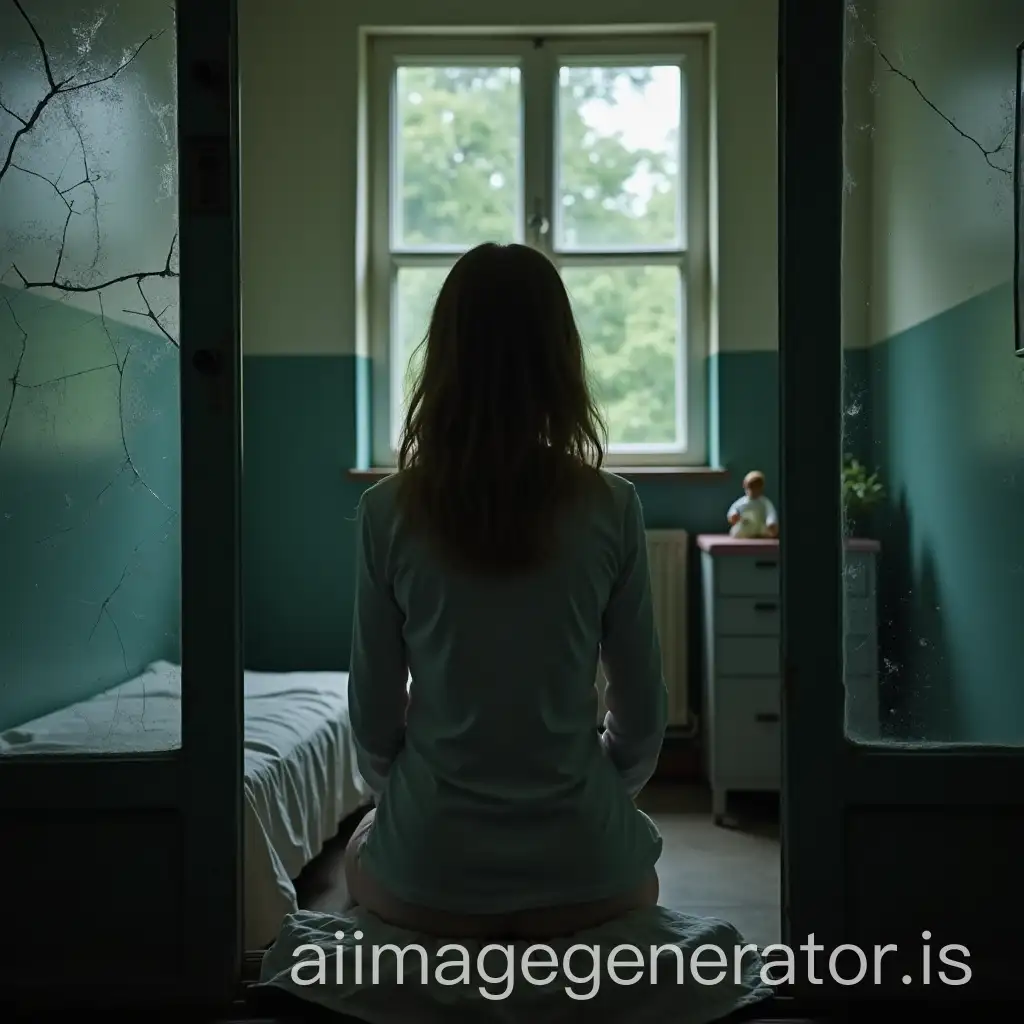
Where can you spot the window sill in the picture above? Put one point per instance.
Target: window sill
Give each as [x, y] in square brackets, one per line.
[690, 473]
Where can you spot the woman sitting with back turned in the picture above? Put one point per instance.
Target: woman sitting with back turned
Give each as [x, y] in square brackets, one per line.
[496, 567]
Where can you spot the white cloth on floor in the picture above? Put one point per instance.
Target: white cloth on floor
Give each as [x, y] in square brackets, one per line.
[700, 970]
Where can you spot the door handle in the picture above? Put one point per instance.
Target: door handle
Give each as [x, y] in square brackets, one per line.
[766, 716]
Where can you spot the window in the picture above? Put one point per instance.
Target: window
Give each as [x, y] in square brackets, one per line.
[594, 151]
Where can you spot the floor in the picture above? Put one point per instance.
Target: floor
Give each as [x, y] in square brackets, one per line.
[729, 873]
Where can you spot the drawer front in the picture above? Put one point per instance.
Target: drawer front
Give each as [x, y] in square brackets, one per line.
[741, 576]
[747, 616]
[746, 656]
[737, 576]
[748, 730]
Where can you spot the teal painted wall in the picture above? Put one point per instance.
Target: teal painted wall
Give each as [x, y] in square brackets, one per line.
[90, 558]
[79, 527]
[947, 411]
[300, 440]
[297, 506]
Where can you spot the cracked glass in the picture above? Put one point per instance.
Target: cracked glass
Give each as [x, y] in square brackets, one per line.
[89, 418]
[933, 418]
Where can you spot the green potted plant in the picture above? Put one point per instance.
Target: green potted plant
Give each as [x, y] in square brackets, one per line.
[862, 491]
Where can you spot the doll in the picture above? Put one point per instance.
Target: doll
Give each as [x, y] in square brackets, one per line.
[753, 515]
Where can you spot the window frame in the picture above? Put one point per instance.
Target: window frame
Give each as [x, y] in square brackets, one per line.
[539, 56]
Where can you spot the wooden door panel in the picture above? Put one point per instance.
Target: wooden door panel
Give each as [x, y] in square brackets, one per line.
[884, 843]
[93, 901]
[939, 869]
[120, 453]
[942, 879]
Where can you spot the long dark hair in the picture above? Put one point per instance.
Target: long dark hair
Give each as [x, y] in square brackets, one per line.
[502, 434]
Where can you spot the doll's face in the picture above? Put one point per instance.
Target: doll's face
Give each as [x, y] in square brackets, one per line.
[754, 489]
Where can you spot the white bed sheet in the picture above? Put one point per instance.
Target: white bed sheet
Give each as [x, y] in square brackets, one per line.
[300, 769]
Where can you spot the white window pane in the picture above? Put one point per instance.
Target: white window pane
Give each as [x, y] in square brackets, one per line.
[630, 318]
[457, 146]
[413, 298]
[618, 163]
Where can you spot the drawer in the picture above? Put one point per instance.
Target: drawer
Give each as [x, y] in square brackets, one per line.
[740, 576]
[747, 616]
[747, 656]
[748, 730]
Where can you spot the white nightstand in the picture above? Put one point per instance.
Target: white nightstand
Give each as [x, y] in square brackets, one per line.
[742, 711]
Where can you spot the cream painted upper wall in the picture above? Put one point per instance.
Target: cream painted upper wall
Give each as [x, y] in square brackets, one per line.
[299, 67]
[942, 218]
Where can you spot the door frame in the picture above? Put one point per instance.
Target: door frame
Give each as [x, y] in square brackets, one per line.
[211, 435]
[810, 152]
[832, 787]
[197, 788]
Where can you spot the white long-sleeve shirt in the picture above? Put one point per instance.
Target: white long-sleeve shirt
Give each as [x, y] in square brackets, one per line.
[496, 792]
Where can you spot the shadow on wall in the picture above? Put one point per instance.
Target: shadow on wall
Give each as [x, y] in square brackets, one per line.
[916, 692]
[948, 418]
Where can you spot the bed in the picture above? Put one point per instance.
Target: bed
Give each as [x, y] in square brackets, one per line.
[300, 771]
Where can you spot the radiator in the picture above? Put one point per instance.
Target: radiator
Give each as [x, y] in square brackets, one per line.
[668, 554]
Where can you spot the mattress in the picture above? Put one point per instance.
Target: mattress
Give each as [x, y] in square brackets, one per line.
[300, 774]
